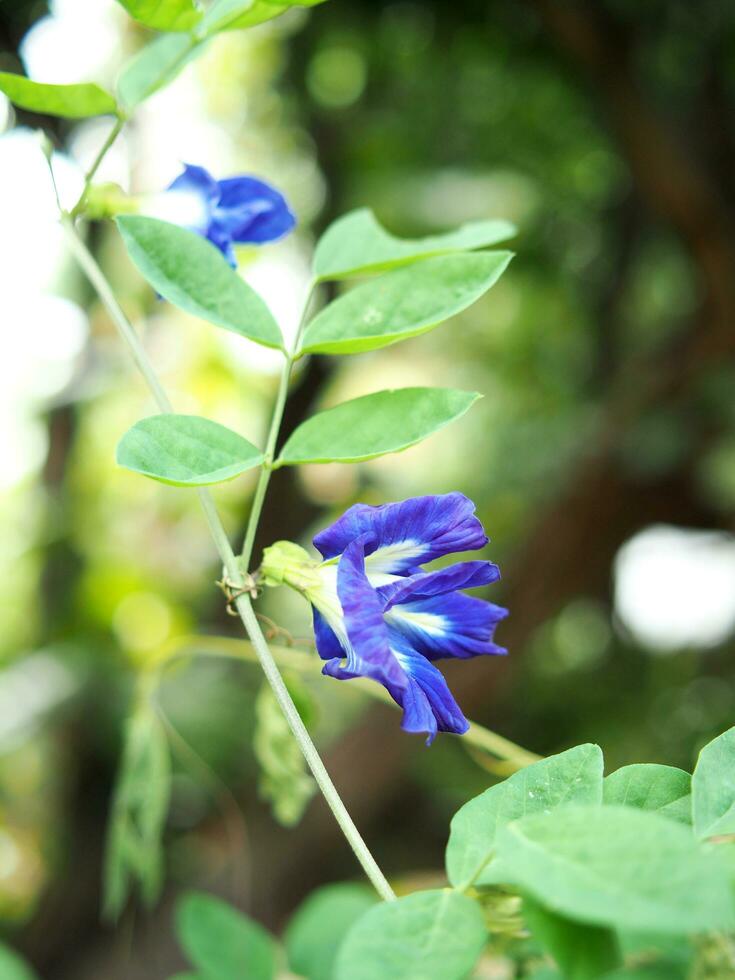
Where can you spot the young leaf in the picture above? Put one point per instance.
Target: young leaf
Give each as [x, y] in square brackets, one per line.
[713, 787]
[319, 925]
[222, 943]
[647, 786]
[12, 967]
[164, 15]
[284, 778]
[139, 811]
[186, 451]
[434, 935]
[403, 303]
[70, 101]
[191, 273]
[385, 422]
[230, 15]
[583, 952]
[617, 866]
[355, 244]
[157, 64]
[574, 776]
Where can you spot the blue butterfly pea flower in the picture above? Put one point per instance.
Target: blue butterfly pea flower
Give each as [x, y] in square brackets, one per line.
[241, 210]
[379, 614]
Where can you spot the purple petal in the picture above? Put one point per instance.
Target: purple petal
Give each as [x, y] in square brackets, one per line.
[198, 181]
[400, 536]
[423, 585]
[327, 644]
[453, 625]
[252, 211]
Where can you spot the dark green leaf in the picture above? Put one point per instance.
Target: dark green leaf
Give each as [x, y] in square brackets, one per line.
[319, 925]
[403, 303]
[574, 776]
[583, 952]
[432, 935]
[713, 787]
[186, 451]
[648, 786]
[156, 65]
[373, 425]
[164, 15]
[617, 866]
[70, 101]
[222, 943]
[139, 811]
[192, 274]
[355, 244]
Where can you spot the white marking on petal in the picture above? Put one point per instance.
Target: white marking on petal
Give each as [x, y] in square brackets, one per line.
[431, 623]
[184, 208]
[386, 558]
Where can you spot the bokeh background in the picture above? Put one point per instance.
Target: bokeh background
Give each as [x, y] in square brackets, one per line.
[602, 456]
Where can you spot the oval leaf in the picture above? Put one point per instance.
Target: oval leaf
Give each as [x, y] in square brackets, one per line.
[432, 934]
[316, 930]
[574, 776]
[191, 273]
[583, 952]
[385, 422]
[651, 787]
[403, 303]
[186, 451]
[356, 243]
[164, 15]
[70, 101]
[221, 942]
[713, 787]
[617, 866]
[157, 64]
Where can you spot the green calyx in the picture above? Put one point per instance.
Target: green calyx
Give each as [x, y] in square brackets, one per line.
[286, 563]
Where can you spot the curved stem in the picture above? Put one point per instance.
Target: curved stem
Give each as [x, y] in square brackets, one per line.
[89, 176]
[234, 573]
[256, 508]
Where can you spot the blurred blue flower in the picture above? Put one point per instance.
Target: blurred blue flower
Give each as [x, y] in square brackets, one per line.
[378, 614]
[235, 210]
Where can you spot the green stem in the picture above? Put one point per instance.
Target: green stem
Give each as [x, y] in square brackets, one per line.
[234, 574]
[275, 427]
[89, 176]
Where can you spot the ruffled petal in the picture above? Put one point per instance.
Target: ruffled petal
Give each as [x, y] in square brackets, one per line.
[401, 536]
[198, 181]
[252, 211]
[452, 625]
[327, 644]
[423, 585]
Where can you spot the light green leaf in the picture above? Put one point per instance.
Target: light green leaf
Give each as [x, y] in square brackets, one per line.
[222, 943]
[648, 786]
[192, 274]
[403, 303]
[319, 925]
[157, 64]
[139, 808]
[164, 15]
[431, 935]
[385, 422]
[284, 778]
[583, 952]
[186, 451]
[230, 15]
[574, 776]
[70, 101]
[617, 866]
[713, 787]
[12, 967]
[355, 244]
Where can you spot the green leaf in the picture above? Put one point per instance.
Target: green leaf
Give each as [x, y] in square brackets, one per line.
[157, 64]
[164, 15]
[431, 935]
[70, 101]
[713, 787]
[192, 274]
[574, 776]
[355, 244]
[403, 303]
[385, 422]
[617, 866]
[12, 967]
[583, 952]
[139, 809]
[222, 943]
[284, 778]
[186, 451]
[648, 786]
[230, 15]
[316, 930]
